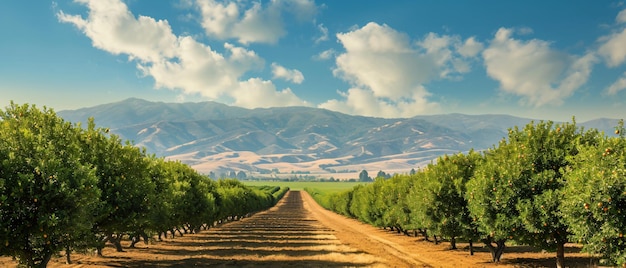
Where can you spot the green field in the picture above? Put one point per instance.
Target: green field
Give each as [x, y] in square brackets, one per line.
[326, 187]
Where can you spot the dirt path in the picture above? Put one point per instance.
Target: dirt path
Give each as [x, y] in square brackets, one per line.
[297, 232]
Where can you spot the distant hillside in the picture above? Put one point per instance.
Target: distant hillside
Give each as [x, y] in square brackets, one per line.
[220, 138]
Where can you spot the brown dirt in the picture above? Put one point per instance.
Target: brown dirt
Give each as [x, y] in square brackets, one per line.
[297, 232]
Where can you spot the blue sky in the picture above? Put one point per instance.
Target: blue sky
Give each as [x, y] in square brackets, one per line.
[538, 59]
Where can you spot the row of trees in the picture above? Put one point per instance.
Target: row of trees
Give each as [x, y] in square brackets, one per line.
[544, 185]
[65, 187]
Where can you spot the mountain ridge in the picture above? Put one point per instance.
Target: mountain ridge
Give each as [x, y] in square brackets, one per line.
[214, 137]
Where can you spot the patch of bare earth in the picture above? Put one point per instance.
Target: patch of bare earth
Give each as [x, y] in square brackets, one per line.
[297, 232]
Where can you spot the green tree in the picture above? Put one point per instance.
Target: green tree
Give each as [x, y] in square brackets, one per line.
[515, 193]
[124, 182]
[382, 174]
[365, 204]
[417, 204]
[446, 212]
[594, 203]
[195, 201]
[162, 208]
[364, 176]
[393, 198]
[46, 193]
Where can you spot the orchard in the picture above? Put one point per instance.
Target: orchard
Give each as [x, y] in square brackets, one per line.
[65, 187]
[544, 185]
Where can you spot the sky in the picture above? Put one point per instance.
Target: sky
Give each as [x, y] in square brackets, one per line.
[547, 60]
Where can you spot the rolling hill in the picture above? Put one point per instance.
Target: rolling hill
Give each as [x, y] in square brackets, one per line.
[214, 137]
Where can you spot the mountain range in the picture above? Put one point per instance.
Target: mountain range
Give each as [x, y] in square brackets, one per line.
[213, 137]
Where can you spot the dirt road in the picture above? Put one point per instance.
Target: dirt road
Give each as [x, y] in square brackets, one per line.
[297, 232]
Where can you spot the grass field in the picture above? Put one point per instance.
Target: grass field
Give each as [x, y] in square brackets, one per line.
[326, 187]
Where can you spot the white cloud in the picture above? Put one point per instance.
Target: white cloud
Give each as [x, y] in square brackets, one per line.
[387, 70]
[448, 53]
[251, 24]
[382, 59]
[255, 93]
[364, 102]
[524, 30]
[292, 75]
[617, 86]
[180, 63]
[325, 55]
[533, 70]
[324, 34]
[200, 70]
[470, 48]
[621, 17]
[613, 49]
[113, 28]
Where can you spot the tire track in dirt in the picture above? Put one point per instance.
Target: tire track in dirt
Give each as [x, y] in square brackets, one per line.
[364, 237]
[285, 235]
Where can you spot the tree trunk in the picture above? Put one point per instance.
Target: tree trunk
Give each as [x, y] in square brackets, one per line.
[117, 242]
[46, 258]
[44, 261]
[134, 240]
[145, 237]
[471, 247]
[496, 251]
[101, 243]
[560, 255]
[68, 251]
[425, 234]
[499, 250]
[35, 261]
[436, 240]
[453, 242]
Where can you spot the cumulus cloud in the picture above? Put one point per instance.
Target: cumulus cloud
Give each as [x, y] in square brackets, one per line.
[612, 47]
[177, 62]
[388, 70]
[256, 92]
[200, 70]
[617, 86]
[381, 59]
[292, 75]
[449, 53]
[251, 24]
[621, 17]
[112, 27]
[533, 70]
[364, 102]
[470, 48]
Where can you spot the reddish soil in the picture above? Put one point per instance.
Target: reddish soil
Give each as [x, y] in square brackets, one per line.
[298, 232]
